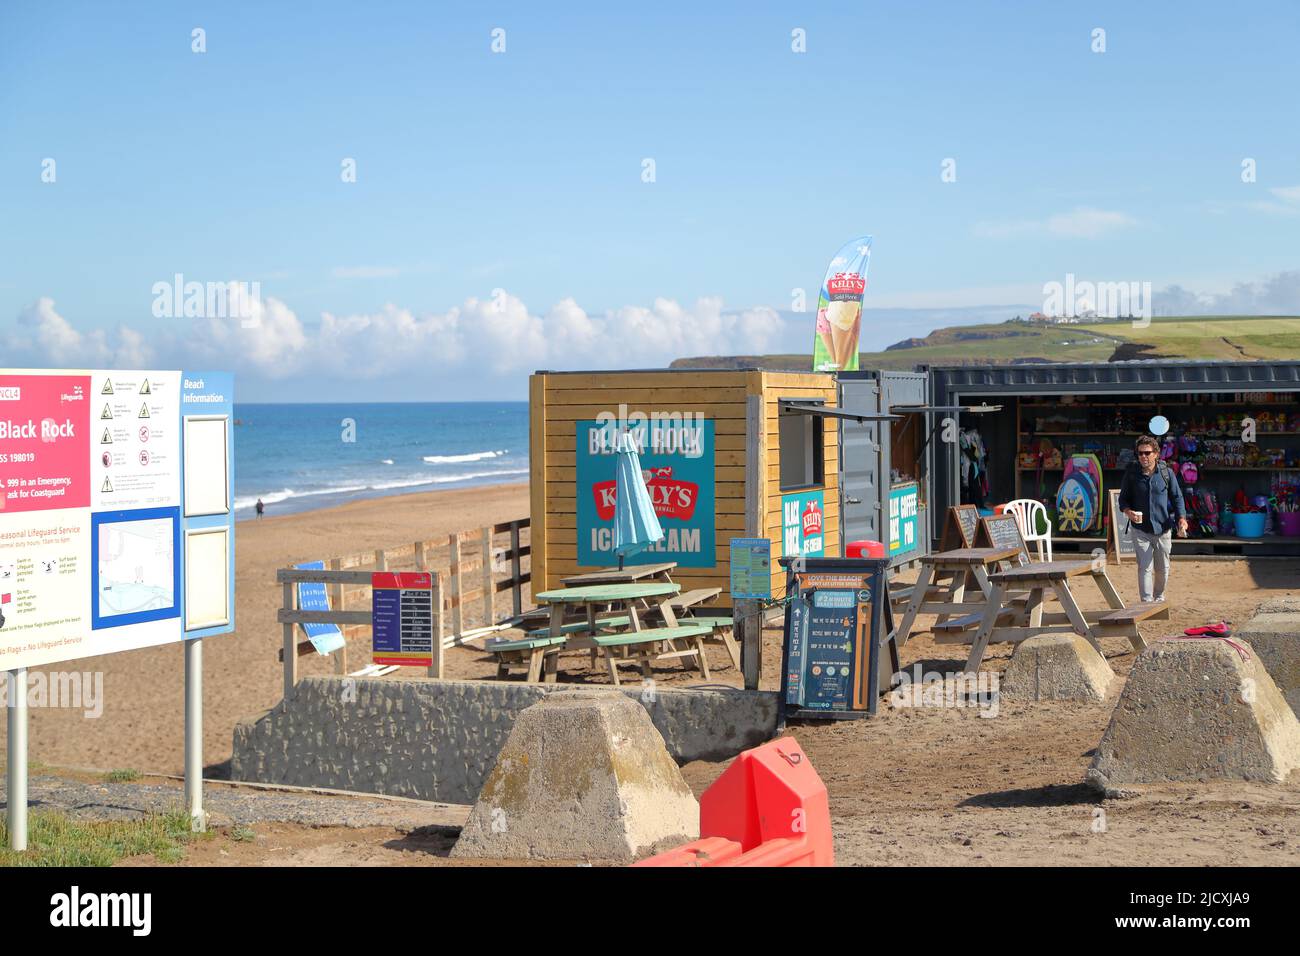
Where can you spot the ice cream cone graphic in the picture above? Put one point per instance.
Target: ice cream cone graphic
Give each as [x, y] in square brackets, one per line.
[843, 318]
[824, 335]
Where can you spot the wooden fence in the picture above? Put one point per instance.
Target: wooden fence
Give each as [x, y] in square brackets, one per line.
[480, 565]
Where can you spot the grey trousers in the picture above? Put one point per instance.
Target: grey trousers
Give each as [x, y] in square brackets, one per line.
[1153, 563]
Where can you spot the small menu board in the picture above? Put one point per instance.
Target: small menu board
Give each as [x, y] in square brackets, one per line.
[401, 607]
[839, 654]
[960, 529]
[751, 569]
[1002, 531]
[1121, 529]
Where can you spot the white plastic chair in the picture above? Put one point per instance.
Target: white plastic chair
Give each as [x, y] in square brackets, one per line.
[1027, 512]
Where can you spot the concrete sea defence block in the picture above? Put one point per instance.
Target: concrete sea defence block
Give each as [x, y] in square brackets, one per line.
[583, 775]
[438, 739]
[1275, 636]
[1057, 667]
[1197, 710]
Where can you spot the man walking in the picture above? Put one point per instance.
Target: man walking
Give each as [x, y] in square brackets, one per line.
[1151, 499]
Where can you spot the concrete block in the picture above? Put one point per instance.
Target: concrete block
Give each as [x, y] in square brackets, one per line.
[1195, 710]
[1057, 667]
[445, 739]
[1276, 639]
[584, 775]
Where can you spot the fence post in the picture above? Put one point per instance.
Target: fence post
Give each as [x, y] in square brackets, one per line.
[290, 651]
[489, 582]
[435, 667]
[336, 601]
[420, 564]
[516, 587]
[453, 542]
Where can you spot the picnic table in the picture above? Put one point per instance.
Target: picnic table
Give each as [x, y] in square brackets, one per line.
[632, 575]
[613, 627]
[1017, 618]
[953, 569]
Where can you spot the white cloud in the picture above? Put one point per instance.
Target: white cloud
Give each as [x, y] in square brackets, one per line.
[1083, 222]
[496, 336]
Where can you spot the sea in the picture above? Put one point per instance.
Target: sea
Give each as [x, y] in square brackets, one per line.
[299, 457]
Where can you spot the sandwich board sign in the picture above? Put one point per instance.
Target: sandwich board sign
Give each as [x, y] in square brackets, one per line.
[116, 525]
[1121, 529]
[838, 655]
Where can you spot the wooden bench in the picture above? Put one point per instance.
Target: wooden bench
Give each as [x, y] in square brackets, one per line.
[961, 630]
[529, 653]
[574, 627]
[642, 647]
[690, 599]
[1124, 621]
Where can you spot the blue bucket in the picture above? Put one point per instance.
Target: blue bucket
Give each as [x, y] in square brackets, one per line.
[1250, 524]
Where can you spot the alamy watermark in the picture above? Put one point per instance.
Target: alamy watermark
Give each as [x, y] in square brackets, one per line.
[919, 688]
[208, 300]
[655, 433]
[77, 690]
[1073, 300]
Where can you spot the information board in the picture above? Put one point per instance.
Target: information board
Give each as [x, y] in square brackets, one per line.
[751, 569]
[839, 654]
[101, 548]
[1121, 529]
[401, 606]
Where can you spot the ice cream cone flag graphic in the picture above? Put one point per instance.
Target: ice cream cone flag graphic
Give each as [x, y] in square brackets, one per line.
[839, 308]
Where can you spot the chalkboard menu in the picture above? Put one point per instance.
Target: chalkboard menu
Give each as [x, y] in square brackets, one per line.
[960, 529]
[838, 656]
[1002, 531]
[1121, 529]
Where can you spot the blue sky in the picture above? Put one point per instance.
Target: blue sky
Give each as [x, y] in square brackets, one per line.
[521, 171]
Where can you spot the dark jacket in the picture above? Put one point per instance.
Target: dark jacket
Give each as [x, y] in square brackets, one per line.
[1159, 498]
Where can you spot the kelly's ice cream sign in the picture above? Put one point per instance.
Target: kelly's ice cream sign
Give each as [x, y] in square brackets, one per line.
[677, 463]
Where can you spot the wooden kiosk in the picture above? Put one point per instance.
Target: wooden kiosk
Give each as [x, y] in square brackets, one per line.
[730, 454]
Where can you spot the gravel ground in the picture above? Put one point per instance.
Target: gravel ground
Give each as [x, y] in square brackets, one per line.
[84, 796]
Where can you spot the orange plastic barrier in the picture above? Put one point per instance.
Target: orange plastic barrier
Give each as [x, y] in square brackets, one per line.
[769, 808]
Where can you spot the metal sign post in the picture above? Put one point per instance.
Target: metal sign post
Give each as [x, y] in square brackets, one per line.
[16, 794]
[194, 734]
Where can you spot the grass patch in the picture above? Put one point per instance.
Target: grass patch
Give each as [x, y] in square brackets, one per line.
[122, 776]
[241, 833]
[54, 839]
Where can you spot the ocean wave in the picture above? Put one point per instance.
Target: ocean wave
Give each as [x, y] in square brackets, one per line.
[460, 459]
[386, 461]
[276, 497]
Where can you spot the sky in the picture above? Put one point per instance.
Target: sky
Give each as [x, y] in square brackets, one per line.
[434, 199]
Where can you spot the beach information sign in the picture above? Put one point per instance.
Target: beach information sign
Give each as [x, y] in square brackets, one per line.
[402, 613]
[116, 527]
[676, 453]
[751, 569]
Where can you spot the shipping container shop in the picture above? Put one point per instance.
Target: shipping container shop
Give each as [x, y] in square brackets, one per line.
[1229, 433]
